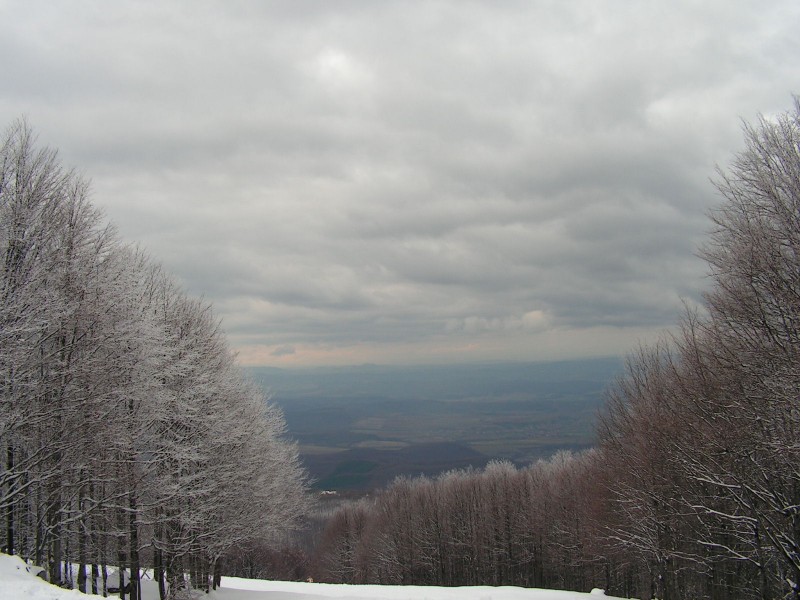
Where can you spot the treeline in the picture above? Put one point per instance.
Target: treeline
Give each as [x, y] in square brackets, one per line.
[693, 490]
[529, 527]
[128, 435]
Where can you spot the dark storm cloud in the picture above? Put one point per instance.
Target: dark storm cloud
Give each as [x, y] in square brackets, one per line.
[404, 181]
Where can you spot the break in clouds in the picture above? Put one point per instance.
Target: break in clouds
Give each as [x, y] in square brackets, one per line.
[408, 181]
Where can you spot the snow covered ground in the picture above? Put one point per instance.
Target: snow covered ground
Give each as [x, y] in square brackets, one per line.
[16, 583]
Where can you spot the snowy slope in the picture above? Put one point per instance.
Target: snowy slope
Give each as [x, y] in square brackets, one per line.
[16, 583]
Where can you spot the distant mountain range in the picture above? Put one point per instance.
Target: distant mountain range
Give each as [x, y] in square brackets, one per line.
[359, 427]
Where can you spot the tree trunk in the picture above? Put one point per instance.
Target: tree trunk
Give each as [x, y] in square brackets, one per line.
[56, 551]
[175, 578]
[217, 573]
[122, 559]
[158, 572]
[10, 510]
[95, 577]
[81, 547]
[82, 576]
[135, 593]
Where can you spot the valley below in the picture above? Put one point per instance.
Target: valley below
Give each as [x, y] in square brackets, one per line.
[360, 427]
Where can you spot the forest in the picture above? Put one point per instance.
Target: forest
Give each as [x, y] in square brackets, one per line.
[693, 489]
[130, 437]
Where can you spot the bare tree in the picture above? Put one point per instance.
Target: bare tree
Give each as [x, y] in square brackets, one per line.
[126, 428]
[703, 429]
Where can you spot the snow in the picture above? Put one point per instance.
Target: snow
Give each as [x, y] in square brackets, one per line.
[17, 582]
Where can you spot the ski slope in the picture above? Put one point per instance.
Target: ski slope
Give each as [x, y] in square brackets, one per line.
[17, 583]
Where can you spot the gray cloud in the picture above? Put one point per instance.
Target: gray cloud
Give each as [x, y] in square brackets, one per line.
[402, 181]
[283, 351]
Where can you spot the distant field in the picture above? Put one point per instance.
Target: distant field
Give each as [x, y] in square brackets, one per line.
[359, 427]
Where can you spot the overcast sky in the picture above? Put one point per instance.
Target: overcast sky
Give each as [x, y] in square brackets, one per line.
[408, 182]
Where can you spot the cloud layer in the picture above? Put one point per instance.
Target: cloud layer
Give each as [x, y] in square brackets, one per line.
[408, 181]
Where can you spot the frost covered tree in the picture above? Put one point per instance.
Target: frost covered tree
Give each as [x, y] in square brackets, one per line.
[497, 526]
[128, 434]
[751, 342]
[55, 247]
[715, 415]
